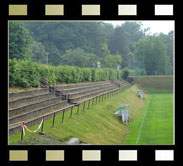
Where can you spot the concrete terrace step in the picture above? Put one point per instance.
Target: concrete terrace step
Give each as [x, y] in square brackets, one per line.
[73, 100]
[36, 112]
[19, 101]
[34, 105]
[81, 85]
[80, 98]
[90, 91]
[80, 101]
[36, 120]
[28, 93]
[71, 90]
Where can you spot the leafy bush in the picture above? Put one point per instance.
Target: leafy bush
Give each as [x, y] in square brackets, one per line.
[28, 74]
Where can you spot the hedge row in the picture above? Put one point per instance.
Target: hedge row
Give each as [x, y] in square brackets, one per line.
[28, 74]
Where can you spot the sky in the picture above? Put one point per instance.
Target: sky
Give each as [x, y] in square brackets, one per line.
[155, 26]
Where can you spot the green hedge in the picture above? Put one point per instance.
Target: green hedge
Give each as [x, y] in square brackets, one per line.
[28, 74]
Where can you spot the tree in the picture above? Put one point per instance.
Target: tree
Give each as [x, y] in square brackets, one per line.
[134, 29]
[89, 36]
[19, 41]
[39, 53]
[119, 44]
[153, 51]
[112, 61]
[168, 41]
[77, 57]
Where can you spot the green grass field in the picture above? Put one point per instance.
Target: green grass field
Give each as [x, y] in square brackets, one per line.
[154, 126]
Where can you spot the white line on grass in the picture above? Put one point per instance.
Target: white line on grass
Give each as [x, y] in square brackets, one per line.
[142, 122]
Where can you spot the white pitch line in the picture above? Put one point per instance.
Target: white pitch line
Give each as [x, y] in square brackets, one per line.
[142, 123]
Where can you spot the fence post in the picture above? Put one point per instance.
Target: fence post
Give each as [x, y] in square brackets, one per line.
[63, 115]
[96, 100]
[53, 124]
[78, 110]
[22, 133]
[71, 112]
[84, 107]
[89, 104]
[99, 99]
[42, 127]
[92, 101]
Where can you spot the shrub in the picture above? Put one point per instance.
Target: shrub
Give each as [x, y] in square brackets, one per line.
[28, 74]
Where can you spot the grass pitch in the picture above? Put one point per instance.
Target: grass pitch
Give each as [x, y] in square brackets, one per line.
[154, 126]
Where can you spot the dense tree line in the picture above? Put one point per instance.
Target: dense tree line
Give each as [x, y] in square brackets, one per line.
[83, 44]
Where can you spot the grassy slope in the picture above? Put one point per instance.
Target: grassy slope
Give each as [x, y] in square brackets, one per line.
[97, 125]
[158, 123]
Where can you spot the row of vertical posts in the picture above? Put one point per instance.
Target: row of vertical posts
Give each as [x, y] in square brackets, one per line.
[92, 101]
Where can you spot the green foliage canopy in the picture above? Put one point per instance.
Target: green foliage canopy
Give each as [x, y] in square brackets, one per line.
[153, 51]
[19, 41]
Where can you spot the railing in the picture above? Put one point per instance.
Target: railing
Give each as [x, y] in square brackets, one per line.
[91, 101]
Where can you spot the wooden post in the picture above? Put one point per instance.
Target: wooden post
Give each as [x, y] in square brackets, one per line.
[84, 107]
[63, 116]
[42, 127]
[96, 100]
[89, 104]
[71, 112]
[22, 133]
[92, 101]
[99, 98]
[53, 124]
[78, 110]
